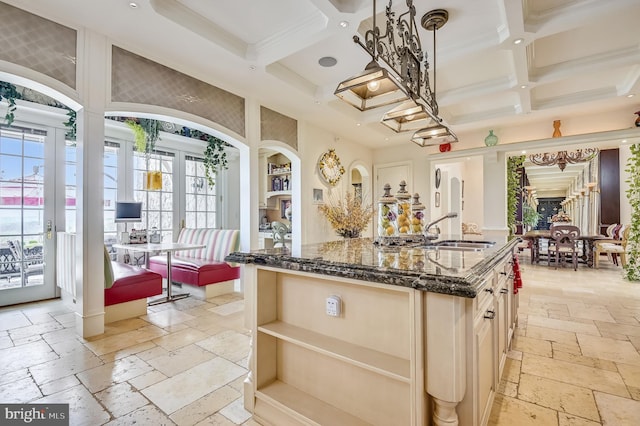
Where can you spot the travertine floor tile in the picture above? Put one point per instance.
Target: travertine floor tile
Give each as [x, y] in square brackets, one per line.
[512, 370]
[229, 308]
[231, 345]
[628, 330]
[19, 392]
[551, 334]
[83, 408]
[591, 312]
[187, 387]
[180, 338]
[616, 411]
[216, 420]
[511, 412]
[147, 415]
[180, 360]
[99, 378]
[534, 346]
[588, 377]
[585, 360]
[56, 369]
[606, 348]
[13, 319]
[557, 324]
[121, 399]
[565, 419]
[147, 379]
[121, 341]
[167, 317]
[558, 396]
[630, 374]
[59, 385]
[16, 358]
[236, 412]
[205, 406]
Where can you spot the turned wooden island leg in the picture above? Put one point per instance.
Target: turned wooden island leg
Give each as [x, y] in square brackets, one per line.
[444, 413]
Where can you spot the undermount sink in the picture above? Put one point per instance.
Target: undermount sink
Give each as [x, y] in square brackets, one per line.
[459, 245]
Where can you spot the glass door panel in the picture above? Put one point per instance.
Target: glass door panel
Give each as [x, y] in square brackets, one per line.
[24, 218]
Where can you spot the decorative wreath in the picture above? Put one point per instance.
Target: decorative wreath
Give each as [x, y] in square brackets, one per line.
[330, 168]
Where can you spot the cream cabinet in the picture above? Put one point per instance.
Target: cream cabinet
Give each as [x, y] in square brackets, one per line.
[310, 366]
[488, 338]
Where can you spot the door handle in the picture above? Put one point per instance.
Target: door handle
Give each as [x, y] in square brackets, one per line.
[49, 229]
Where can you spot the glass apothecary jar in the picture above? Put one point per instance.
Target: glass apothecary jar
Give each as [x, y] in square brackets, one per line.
[387, 213]
[404, 209]
[417, 215]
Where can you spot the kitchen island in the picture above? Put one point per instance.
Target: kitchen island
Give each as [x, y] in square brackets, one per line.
[350, 333]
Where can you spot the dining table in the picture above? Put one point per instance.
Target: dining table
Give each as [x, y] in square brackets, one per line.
[588, 243]
[166, 247]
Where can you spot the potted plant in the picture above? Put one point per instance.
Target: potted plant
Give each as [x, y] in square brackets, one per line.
[530, 216]
[146, 133]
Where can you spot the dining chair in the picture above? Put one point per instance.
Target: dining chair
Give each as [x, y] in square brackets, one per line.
[612, 248]
[564, 242]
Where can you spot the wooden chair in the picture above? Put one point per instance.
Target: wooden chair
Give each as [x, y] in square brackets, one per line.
[564, 239]
[612, 248]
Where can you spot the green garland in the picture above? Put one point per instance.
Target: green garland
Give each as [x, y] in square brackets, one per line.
[632, 268]
[215, 158]
[513, 189]
[9, 92]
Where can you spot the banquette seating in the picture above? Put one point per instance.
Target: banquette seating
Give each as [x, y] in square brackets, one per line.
[126, 288]
[204, 268]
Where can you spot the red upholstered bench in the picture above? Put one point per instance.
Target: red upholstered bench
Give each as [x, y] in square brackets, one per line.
[127, 288]
[204, 268]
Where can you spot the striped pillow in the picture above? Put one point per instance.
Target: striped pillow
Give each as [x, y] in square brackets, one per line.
[218, 243]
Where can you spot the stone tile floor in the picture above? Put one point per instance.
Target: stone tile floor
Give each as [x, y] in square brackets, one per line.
[575, 358]
[574, 361]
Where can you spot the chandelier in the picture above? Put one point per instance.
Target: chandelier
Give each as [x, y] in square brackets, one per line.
[399, 71]
[561, 158]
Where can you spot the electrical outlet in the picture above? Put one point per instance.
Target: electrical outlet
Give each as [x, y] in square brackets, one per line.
[334, 306]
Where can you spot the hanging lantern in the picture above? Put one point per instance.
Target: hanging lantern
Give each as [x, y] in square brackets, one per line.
[153, 180]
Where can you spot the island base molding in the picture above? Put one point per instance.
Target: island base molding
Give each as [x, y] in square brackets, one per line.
[444, 413]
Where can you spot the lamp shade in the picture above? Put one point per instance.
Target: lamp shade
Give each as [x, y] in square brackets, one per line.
[434, 135]
[372, 88]
[409, 115]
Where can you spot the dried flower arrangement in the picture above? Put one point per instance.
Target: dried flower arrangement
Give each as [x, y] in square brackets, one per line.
[348, 216]
[561, 217]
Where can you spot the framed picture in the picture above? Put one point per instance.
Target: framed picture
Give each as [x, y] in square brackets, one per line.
[318, 196]
[285, 209]
[437, 199]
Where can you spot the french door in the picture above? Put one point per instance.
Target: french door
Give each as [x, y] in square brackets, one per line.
[27, 212]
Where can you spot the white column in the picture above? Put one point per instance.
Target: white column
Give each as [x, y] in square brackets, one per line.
[94, 72]
[495, 192]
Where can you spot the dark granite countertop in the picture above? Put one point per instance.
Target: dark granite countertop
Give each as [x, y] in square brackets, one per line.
[453, 272]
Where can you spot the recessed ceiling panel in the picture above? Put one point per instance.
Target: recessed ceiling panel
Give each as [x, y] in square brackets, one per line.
[582, 83]
[600, 37]
[474, 69]
[253, 21]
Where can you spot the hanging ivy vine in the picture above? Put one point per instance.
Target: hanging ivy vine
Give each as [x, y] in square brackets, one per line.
[513, 182]
[632, 268]
[9, 92]
[70, 124]
[215, 158]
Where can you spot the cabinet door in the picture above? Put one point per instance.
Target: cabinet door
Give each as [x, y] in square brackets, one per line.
[501, 329]
[485, 349]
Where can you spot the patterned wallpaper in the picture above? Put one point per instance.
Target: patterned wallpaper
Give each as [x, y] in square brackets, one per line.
[39, 44]
[275, 126]
[140, 80]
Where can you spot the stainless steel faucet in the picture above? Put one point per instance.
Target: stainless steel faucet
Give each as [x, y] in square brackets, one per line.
[433, 236]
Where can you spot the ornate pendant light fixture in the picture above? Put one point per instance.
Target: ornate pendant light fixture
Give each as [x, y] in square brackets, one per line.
[562, 158]
[399, 71]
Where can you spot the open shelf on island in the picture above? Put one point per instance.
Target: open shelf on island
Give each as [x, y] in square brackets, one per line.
[277, 193]
[309, 409]
[376, 361]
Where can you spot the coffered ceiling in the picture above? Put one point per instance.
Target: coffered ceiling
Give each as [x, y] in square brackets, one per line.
[576, 56]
